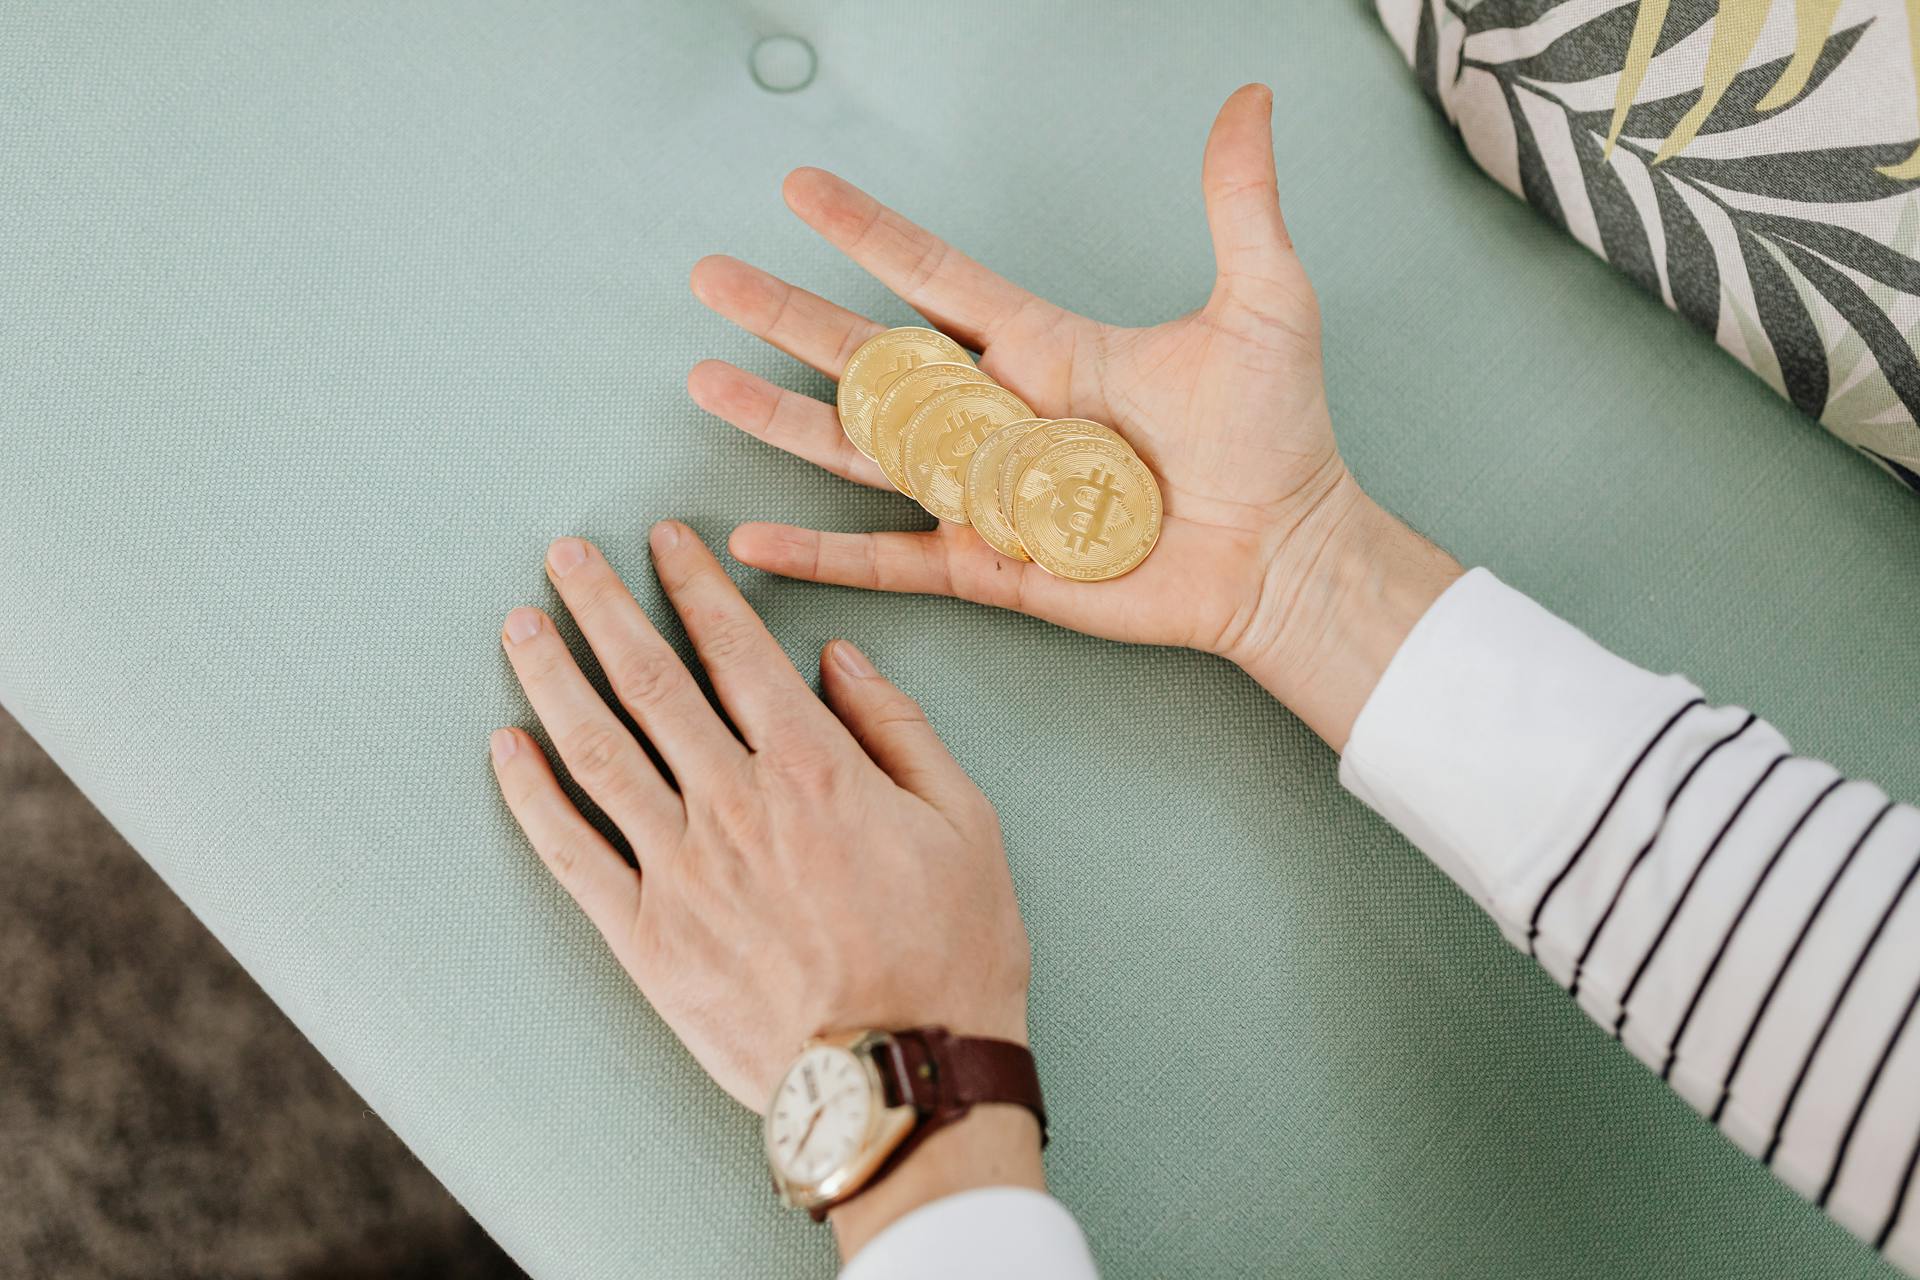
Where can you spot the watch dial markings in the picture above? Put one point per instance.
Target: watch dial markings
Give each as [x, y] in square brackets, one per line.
[820, 1115]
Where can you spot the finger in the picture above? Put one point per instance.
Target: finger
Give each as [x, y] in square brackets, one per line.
[1242, 193]
[598, 751]
[757, 685]
[804, 325]
[786, 420]
[917, 563]
[935, 279]
[891, 728]
[587, 867]
[646, 675]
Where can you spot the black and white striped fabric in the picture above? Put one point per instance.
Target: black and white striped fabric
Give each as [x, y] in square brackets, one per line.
[1745, 920]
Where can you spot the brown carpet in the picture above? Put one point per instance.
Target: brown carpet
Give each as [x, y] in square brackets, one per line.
[159, 1117]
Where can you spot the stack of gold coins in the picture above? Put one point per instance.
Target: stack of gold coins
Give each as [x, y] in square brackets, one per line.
[1066, 493]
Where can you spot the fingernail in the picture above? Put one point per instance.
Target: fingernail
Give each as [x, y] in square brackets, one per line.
[566, 555]
[523, 625]
[852, 661]
[666, 536]
[503, 743]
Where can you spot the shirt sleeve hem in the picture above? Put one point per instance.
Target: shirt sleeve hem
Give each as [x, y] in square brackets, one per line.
[1492, 732]
[1009, 1232]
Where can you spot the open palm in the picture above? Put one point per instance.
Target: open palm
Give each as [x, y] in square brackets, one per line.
[1226, 404]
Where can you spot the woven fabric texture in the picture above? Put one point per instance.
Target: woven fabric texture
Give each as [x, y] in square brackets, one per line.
[318, 321]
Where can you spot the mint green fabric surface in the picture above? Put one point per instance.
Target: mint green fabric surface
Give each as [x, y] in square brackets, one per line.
[318, 321]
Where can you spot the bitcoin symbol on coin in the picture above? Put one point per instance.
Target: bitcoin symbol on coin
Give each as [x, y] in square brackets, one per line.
[904, 363]
[1085, 503]
[965, 430]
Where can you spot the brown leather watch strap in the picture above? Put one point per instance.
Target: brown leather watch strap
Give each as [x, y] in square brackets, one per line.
[942, 1077]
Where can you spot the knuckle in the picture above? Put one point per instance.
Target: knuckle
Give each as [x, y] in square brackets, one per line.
[565, 855]
[596, 593]
[598, 756]
[728, 640]
[674, 573]
[540, 661]
[736, 810]
[889, 725]
[524, 789]
[805, 764]
[645, 677]
[900, 712]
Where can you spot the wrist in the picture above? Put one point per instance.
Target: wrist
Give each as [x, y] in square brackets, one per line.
[993, 1145]
[1335, 605]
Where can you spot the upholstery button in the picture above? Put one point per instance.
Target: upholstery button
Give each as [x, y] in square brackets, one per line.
[782, 64]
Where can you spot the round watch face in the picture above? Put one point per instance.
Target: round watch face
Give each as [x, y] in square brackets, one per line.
[819, 1116]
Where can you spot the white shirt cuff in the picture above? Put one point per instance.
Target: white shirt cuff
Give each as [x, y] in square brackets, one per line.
[1009, 1233]
[1483, 737]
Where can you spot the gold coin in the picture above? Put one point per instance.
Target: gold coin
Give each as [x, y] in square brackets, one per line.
[1037, 442]
[877, 365]
[943, 433]
[1087, 509]
[984, 512]
[908, 392]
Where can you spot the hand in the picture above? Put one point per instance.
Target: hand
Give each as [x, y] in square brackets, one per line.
[1266, 536]
[831, 868]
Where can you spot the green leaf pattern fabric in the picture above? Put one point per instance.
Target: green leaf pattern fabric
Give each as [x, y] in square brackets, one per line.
[1754, 164]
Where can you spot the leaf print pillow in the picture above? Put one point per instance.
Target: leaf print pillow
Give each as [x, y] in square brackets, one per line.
[1752, 163]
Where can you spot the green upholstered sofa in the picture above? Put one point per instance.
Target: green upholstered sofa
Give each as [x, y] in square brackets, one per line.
[318, 321]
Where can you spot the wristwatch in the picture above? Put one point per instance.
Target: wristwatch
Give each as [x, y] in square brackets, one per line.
[854, 1104]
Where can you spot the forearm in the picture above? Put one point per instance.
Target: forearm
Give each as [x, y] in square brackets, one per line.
[1744, 920]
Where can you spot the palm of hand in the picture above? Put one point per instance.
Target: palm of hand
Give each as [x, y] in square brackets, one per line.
[1226, 405]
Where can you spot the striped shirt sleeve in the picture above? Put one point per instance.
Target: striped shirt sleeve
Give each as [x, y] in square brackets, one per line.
[1743, 919]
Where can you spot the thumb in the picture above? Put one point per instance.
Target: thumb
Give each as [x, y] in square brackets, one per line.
[1243, 196]
[891, 728]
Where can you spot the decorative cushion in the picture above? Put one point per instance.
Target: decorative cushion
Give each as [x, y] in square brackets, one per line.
[317, 322]
[1752, 163]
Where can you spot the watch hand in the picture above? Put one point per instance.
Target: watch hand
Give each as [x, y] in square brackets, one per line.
[812, 1120]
